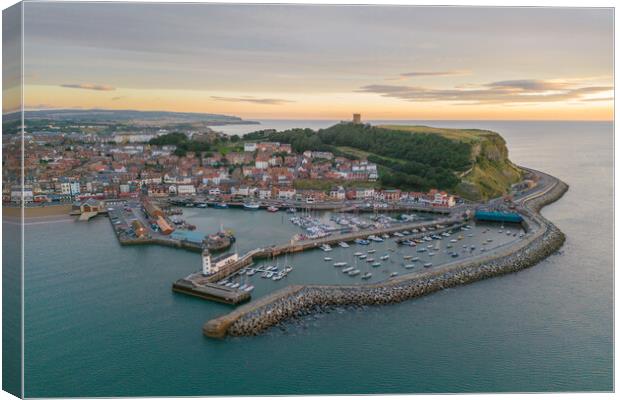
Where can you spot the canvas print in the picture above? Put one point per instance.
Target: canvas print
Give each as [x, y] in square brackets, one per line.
[206, 199]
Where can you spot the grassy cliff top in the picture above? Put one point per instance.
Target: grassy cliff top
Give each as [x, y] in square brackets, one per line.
[462, 135]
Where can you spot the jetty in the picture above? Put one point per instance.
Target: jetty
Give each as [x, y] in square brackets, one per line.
[541, 240]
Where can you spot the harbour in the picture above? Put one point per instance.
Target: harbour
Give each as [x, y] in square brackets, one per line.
[541, 310]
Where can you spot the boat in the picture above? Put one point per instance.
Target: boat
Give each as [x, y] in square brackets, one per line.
[343, 244]
[454, 255]
[367, 275]
[354, 272]
[347, 269]
[277, 277]
[327, 258]
[371, 251]
[272, 209]
[409, 266]
[375, 238]
[340, 264]
[291, 210]
[357, 254]
[251, 206]
[201, 205]
[414, 259]
[430, 254]
[234, 285]
[362, 242]
[326, 247]
[376, 264]
[370, 260]
[422, 250]
[251, 272]
[220, 205]
[398, 234]
[363, 256]
[407, 257]
[385, 257]
[427, 265]
[393, 274]
[249, 288]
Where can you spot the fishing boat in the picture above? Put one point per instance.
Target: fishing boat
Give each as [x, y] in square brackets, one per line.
[251, 206]
[272, 209]
[220, 205]
[340, 264]
[343, 244]
[354, 272]
[327, 258]
[367, 275]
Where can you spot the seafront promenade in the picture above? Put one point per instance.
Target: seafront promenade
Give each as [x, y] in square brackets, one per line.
[541, 240]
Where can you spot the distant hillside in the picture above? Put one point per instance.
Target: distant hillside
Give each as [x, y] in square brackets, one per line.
[472, 163]
[99, 115]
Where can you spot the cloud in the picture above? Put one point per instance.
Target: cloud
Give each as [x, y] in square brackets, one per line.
[248, 99]
[434, 73]
[117, 98]
[599, 99]
[501, 92]
[89, 86]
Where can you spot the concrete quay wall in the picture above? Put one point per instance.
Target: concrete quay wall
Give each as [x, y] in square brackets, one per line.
[543, 239]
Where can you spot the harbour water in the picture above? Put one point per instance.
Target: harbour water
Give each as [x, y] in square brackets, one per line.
[101, 319]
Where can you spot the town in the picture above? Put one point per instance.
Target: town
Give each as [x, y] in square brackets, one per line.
[64, 167]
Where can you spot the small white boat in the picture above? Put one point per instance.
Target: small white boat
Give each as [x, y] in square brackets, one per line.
[347, 269]
[385, 257]
[409, 266]
[251, 206]
[363, 256]
[427, 265]
[327, 258]
[371, 251]
[357, 254]
[367, 275]
[393, 274]
[343, 244]
[326, 247]
[354, 272]
[340, 264]
[376, 264]
[249, 288]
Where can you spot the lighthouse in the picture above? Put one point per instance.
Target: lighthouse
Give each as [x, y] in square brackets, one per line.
[206, 262]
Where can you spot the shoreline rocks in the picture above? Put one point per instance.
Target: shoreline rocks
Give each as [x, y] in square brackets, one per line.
[298, 301]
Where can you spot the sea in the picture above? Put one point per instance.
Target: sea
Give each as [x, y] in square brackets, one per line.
[102, 320]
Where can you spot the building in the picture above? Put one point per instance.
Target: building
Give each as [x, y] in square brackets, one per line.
[211, 265]
[138, 228]
[249, 147]
[17, 194]
[357, 118]
[92, 205]
[152, 210]
[164, 226]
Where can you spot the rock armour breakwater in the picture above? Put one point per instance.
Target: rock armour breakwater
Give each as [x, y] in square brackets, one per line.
[297, 301]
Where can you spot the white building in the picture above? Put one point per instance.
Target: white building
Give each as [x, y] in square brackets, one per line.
[249, 147]
[17, 194]
[211, 265]
[186, 189]
[71, 188]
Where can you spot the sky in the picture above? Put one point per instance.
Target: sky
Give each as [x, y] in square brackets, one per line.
[321, 62]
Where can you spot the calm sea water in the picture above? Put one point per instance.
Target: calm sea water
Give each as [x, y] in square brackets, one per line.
[101, 320]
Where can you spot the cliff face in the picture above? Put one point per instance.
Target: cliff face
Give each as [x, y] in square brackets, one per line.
[491, 173]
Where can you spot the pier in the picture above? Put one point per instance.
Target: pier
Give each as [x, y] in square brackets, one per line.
[197, 280]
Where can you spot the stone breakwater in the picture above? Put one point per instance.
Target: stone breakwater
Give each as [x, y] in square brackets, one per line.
[296, 301]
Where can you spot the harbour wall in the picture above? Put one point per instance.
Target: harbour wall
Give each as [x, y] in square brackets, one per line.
[542, 240]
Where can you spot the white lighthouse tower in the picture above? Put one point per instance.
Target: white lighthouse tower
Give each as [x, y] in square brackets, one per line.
[206, 262]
